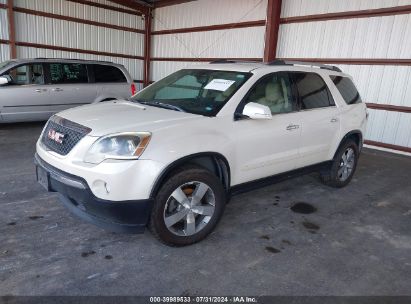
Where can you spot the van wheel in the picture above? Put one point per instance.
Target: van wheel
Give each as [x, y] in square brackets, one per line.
[343, 166]
[188, 206]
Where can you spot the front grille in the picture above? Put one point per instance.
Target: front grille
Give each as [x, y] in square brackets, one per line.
[71, 131]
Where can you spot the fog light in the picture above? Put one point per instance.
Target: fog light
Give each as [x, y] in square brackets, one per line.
[100, 187]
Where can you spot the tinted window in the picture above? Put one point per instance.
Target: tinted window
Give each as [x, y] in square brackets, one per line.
[313, 91]
[26, 74]
[273, 91]
[347, 89]
[68, 73]
[107, 73]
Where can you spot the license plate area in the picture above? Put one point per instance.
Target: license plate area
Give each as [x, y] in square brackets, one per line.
[43, 178]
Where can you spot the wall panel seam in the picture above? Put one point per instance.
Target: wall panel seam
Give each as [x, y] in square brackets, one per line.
[75, 50]
[387, 146]
[77, 20]
[390, 11]
[388, 107]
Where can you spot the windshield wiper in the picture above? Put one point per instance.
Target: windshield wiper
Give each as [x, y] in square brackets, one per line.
[161, 105]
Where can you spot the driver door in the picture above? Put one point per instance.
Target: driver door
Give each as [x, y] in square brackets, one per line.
[24, 98]
[267, 147]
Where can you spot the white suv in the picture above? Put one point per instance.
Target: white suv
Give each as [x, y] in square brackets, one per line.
[172, 155]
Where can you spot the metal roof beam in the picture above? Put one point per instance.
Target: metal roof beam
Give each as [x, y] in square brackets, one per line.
[133, 5]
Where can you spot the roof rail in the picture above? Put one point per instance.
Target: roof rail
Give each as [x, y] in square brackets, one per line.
[220, 61]
[74, 59]
[313, 64]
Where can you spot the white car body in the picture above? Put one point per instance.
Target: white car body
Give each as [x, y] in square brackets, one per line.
[252, 149]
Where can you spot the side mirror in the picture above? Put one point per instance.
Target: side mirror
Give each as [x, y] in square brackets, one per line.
[257, 111]
[4, 80]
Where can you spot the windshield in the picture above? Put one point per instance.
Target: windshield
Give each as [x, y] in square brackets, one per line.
[202, 92]
[5, 63]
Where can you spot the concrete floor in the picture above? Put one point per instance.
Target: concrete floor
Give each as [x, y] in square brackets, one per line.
[358, 242]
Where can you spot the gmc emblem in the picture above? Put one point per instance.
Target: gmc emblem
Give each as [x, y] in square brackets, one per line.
[56, 136]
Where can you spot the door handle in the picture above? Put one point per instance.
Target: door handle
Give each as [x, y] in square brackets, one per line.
[292, 127]
[334, 119]
[57, 90]
[40, 90]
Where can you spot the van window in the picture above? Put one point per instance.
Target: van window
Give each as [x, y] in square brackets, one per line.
[26, 74]
[108, 73]
[347, 89]
[66, 73]
[313, 91]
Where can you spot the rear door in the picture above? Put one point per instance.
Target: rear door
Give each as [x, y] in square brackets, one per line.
[26, 97]
[320, 121]
[110, 82]
[69, 85]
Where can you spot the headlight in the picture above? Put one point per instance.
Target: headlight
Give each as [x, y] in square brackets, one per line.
[128, 145]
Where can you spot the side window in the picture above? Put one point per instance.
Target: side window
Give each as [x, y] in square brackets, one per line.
[107, 73]
[275, 92]
[185, 87]
[26, 74]
[313, 91]
[347, 89]
[66, 73]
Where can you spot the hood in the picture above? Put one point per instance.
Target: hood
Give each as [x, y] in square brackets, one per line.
[125, 116]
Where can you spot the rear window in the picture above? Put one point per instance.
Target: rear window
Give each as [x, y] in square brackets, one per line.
[347, 89]
[107, 73]
[313, 91]
[62, 73]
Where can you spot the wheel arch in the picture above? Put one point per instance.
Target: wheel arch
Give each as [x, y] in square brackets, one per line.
[356, 135]
[211, 161]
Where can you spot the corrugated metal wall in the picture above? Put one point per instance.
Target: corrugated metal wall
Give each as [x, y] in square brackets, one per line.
[4, 34]
[73, 9]
[4, 25]
[55, 32]
[235, 43]
[385, 85]
[309, 7]
[208, 12]
[50, 31]
[382, 37]
[4, 52]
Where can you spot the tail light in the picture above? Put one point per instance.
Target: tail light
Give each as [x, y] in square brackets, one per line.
[133, 89]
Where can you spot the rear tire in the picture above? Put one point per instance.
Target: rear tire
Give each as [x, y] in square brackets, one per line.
[343, 165]
[187, 207]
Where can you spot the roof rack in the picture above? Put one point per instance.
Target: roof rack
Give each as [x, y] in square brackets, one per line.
[313, 64]
[222, 61]
[282, 62]
[218, 61]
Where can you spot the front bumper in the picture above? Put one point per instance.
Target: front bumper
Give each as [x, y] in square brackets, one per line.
[121, 216]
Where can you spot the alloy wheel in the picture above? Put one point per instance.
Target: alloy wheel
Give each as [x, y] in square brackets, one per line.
[189, 208]
[347, 163]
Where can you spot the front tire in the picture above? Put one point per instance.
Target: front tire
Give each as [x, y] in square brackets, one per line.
[343, 165]
[188, 206]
